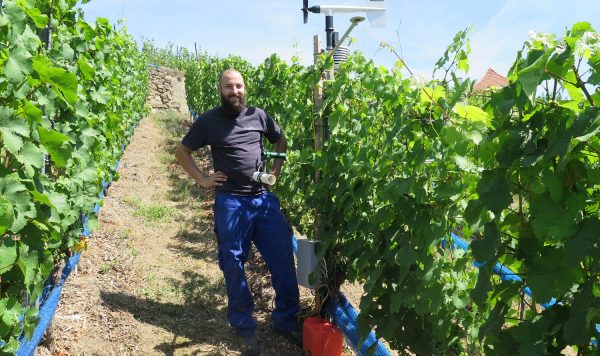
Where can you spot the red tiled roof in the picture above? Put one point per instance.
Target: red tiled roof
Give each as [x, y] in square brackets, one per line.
[490, 79]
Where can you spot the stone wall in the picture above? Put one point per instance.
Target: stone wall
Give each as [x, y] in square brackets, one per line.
[167, 90]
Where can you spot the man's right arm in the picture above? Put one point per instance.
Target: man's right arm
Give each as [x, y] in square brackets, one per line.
[183, 154]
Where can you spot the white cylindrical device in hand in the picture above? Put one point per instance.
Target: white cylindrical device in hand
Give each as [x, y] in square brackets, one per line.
[264, 178]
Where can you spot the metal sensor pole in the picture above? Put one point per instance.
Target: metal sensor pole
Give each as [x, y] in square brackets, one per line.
[329, 31]
[354, 21]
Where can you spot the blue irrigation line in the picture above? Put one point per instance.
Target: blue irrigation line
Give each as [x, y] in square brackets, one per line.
[47, 310]
[295, 245]
[345, 316]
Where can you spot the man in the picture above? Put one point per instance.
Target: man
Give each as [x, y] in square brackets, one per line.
[244, 210]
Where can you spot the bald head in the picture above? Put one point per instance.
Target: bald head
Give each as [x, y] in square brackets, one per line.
[229, 73]
[232, 90]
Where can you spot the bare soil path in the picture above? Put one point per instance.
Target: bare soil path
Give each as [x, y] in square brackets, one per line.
[149, 283]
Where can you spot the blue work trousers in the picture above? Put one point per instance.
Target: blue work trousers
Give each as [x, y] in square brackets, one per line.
[239, 221]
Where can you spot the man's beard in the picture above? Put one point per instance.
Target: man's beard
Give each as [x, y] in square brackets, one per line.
[235, 104]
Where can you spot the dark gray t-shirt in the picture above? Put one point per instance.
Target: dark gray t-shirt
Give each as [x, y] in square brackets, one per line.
[236, 145]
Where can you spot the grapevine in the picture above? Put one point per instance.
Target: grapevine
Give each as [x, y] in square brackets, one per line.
[70, 95]
[514, 170]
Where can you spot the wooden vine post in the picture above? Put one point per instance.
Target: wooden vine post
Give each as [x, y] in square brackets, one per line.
[321, 134]
[318, 123]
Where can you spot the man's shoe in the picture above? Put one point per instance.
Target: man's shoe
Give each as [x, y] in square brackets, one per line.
[293, 337]
[249, 345]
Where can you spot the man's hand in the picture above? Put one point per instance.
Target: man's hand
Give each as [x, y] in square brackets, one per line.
[184, 157]
[214, 180]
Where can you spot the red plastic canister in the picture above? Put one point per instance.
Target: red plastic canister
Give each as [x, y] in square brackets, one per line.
[321, 338]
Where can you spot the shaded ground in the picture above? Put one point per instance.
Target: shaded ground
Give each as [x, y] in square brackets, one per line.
[149, 282]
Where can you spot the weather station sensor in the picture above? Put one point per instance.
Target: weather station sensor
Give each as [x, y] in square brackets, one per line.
[373, 9]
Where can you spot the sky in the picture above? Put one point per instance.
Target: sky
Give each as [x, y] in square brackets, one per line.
[419, 30]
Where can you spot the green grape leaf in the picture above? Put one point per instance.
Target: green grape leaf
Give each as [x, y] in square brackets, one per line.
[512, 144]
[7, 214]
[28, 263]
[11, 310]
[452, 135]
[30, 40]
[459, 301]
[471, 113]
[31, 156]
[32, 112]
[550, 276]
[396, 302]
[85, 68]
[13, 124]
[12, 188]
[67, 52]
[463, 64]
[484, 250]
[527, 336]
[63, 82]
[35, 236]
[8, 254]
[465, 164]
[82, 109]
[531, 76]
[479, 294]
[494, 191]
[428, 95]
[6, 116]
[581, 27]
[18, 65]
[12, 344]
[88, 174]
[575, 93]
[40, 198]
[30, 321]
[506, 291]
[494, 323]
[587, 125]
[550, 221]
[431, 298]
[14, 13]
[101, 95]
[554, 185]
[12, 142]
[577, 328]
[473, 212]
[476, 136]
[59, 201]
[36, 15]
[56, 144]
[584, 243]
